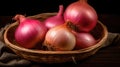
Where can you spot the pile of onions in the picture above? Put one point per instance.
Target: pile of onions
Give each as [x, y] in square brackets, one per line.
[82, 19]
[56, 33]
[60, 38]
[82, 15]
[63, 38]
[29, 31]
[55, 20]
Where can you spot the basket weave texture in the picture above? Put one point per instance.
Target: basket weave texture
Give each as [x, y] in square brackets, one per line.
[99, 32]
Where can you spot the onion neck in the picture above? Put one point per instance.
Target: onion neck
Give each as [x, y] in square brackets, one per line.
[60, 10]
[19, 18]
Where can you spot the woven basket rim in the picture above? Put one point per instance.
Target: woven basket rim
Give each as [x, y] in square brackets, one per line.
[56, 52]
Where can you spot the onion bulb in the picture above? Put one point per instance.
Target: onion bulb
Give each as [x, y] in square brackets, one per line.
[29, 31]
[55, 20]
[84, 40]
[82, 15]
[59, 38]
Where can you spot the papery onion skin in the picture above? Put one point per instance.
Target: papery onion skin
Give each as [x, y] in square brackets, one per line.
[60, 38]
[55, 20]
[29, 31]
[84, 40]
[82, 15]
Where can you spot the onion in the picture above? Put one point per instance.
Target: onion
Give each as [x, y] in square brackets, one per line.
[59, 38]
[55, 20]
[29, 31]
[82, 15]
[84, 40]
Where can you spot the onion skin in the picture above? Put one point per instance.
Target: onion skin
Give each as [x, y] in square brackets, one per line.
[59, 38]
[29, 32]
[84, 40]
[82, 15]
[55, 20]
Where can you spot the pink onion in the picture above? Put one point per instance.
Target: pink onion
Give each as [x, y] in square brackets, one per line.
[55, 20]
[82, 15]
[29, 31]
[59, 38]
[84, 40]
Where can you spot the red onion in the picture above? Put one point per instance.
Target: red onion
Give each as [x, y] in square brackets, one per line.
[59, 38]
[55, 20]
[82, 15]
[29, 32]
[84, 40]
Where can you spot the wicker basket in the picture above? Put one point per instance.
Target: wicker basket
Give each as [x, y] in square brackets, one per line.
[99, 32]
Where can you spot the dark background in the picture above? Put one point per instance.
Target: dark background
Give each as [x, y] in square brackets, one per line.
[108, 13]
[108, 10]
[32, 7]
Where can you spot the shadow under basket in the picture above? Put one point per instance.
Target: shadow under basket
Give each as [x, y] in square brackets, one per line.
[99, 32]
